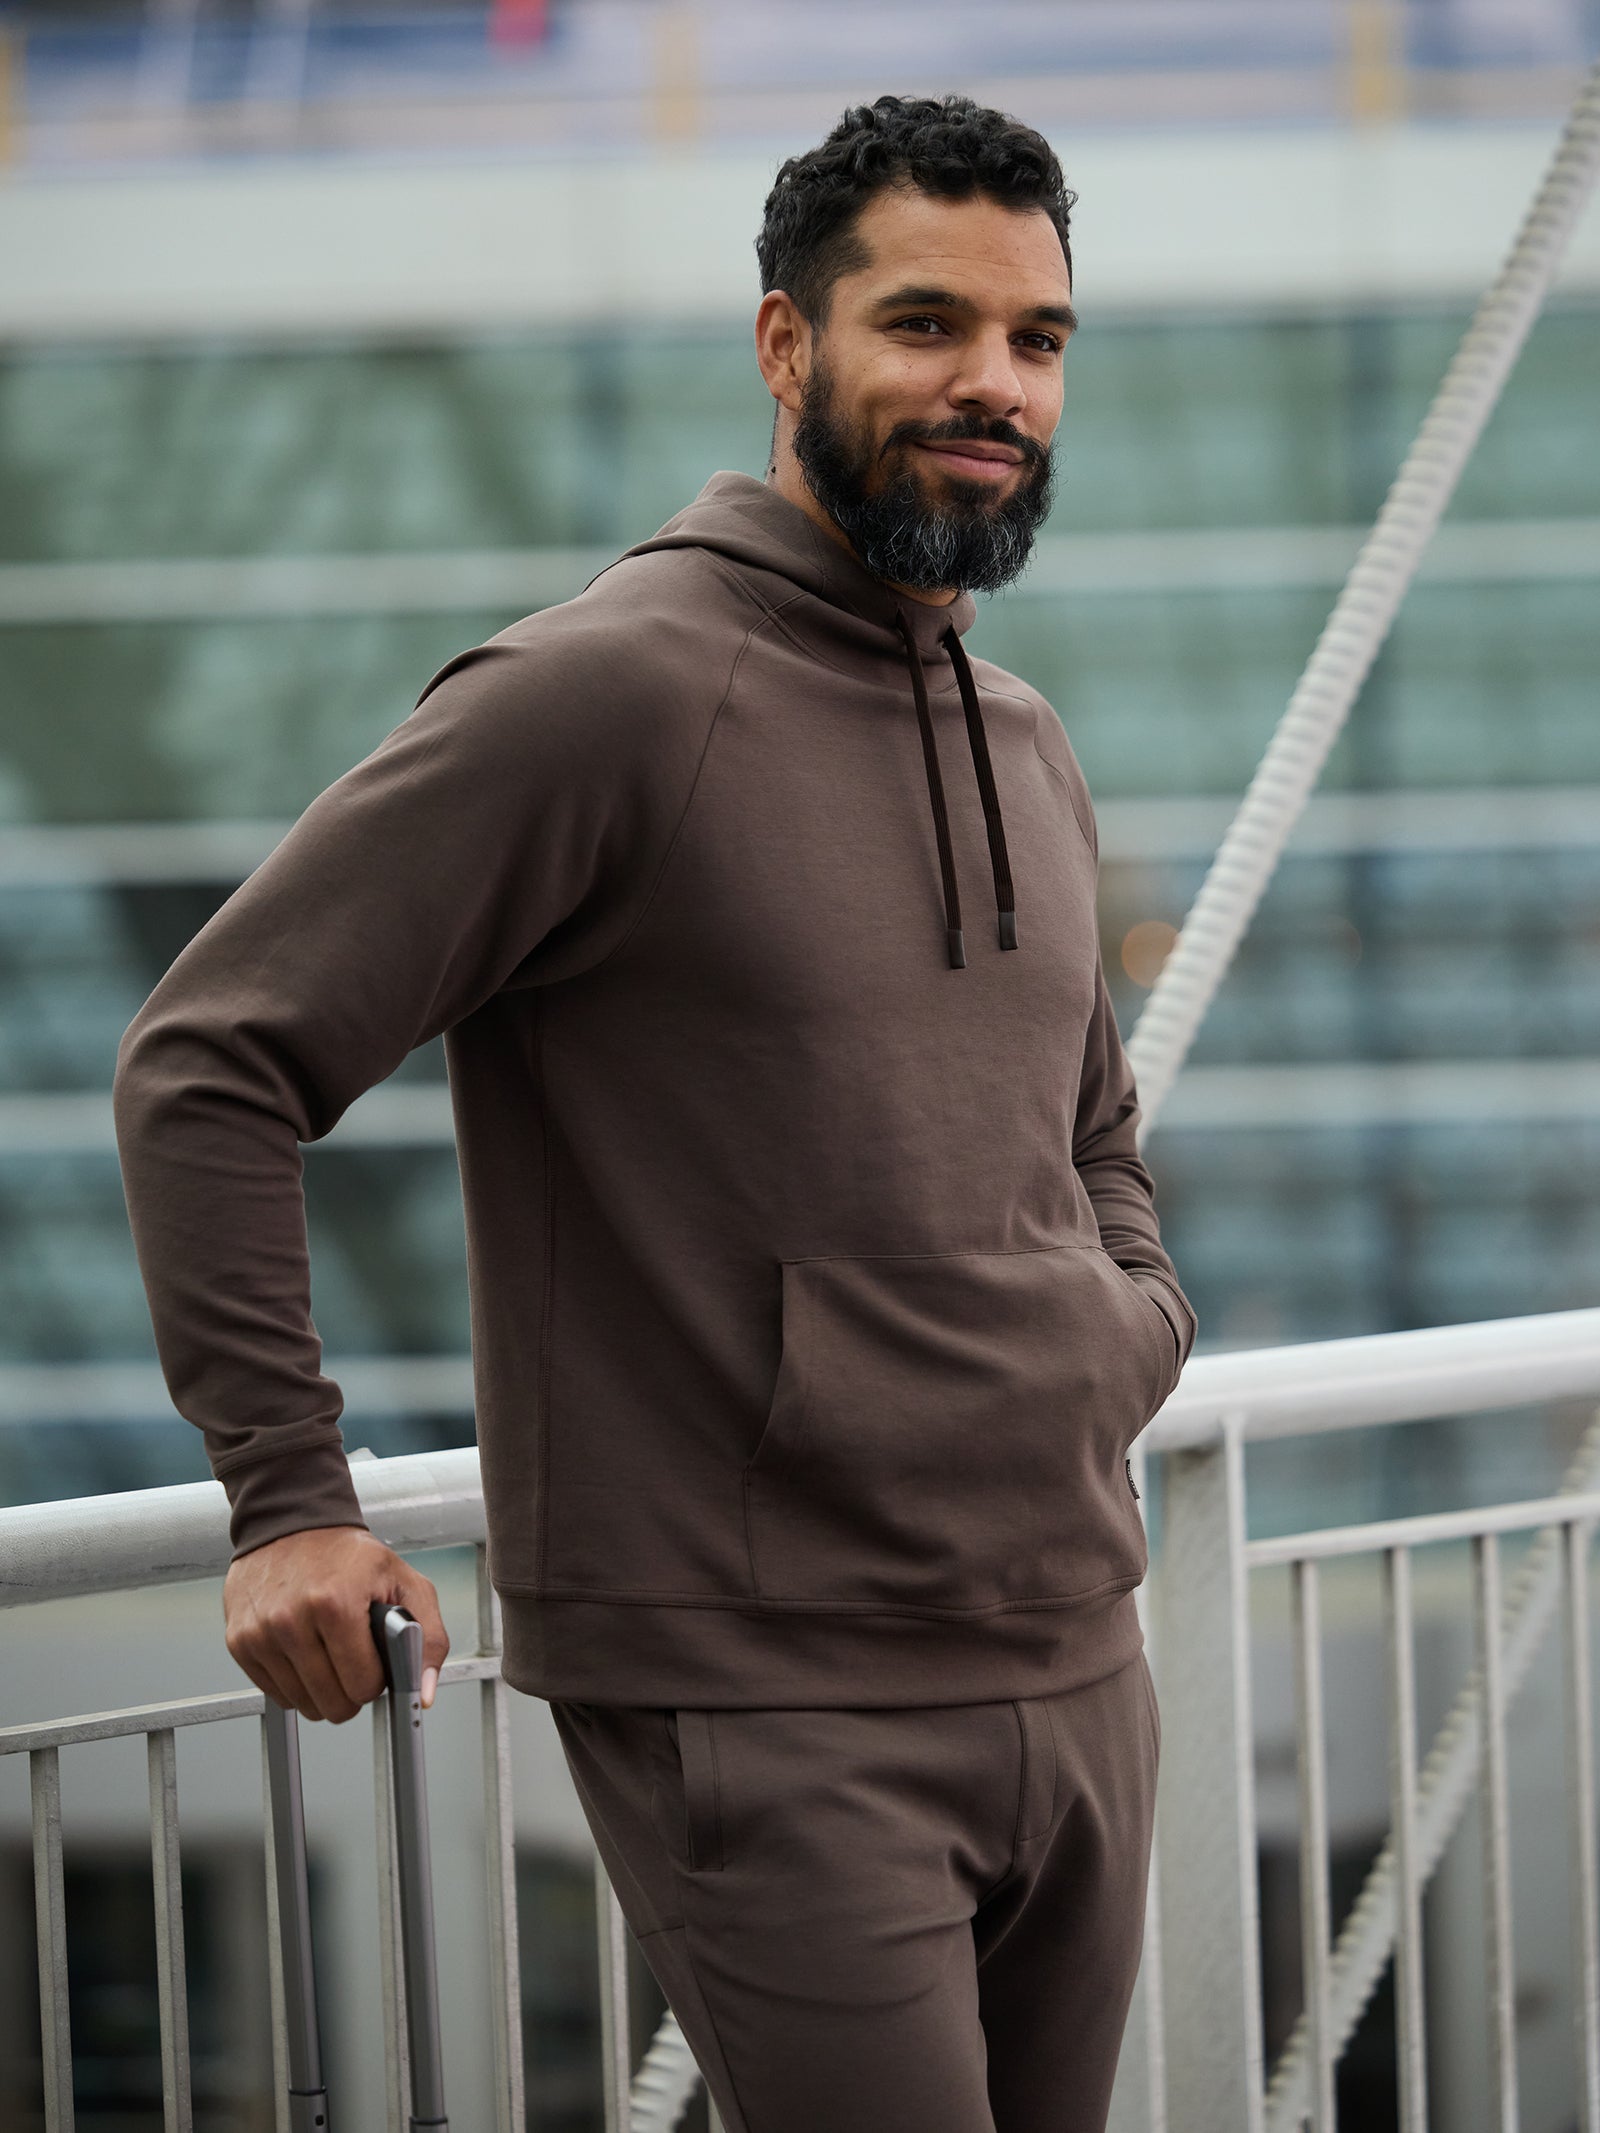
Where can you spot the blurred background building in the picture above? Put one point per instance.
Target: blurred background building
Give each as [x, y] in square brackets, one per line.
[334, 337]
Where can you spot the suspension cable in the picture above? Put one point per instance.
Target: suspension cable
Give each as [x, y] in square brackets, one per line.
[1362, 615]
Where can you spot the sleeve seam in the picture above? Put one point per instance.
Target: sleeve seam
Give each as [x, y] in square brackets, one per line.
[617, 946]
[1087, 828]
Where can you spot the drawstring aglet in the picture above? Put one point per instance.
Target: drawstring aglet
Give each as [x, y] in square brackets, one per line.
[1008, 929]
[958, 948]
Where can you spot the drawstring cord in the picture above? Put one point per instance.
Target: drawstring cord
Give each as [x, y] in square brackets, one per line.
[1005, 899]
[1004, 896]
[941, 817]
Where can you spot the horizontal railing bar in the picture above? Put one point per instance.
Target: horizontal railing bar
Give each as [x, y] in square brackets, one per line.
[1418, 1532]
[189, 1711]
[138, 1718]
[149, 1537]
[1414, 1376]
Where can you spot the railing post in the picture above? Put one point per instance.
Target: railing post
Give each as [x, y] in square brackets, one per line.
[1139, 2096]
[161, 1749]
[44, 1770]
[501, 1859]
[1581, 1821]
[1206, 1795]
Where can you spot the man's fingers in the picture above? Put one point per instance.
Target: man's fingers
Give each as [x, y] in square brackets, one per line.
[277, 1681]
[324, 1695]
[346, 1630]
[285, 1657]
[262, 1677]
[297, 1611]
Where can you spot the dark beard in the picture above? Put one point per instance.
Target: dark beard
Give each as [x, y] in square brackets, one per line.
[969, 542]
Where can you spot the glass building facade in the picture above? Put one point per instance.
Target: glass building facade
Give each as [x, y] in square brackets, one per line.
[207, 613]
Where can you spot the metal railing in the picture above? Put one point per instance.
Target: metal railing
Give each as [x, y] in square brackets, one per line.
[1195, 2031]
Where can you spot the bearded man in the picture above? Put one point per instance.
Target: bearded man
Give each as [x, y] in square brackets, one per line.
[817, 1286]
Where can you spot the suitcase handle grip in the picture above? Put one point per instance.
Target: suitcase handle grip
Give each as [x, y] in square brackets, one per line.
[398, 1635]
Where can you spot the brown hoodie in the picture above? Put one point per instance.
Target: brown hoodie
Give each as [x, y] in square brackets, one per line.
[817, 1290]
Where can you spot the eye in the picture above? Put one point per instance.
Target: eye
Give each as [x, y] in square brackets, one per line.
[1047, 343]
[921, 319]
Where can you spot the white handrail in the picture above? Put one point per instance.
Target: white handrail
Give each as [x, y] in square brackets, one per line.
[55, 1551]
[1383, 1377]
[86, 1544]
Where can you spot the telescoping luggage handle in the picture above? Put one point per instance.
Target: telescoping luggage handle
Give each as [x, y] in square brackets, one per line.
[398, 1636]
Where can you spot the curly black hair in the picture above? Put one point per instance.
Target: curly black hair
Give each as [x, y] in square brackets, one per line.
[948, 145]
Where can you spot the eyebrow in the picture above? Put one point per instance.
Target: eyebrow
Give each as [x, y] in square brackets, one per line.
[946, 300]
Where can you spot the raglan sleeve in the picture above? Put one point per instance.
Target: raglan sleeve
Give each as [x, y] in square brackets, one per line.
[509, 812]
[1106, 1157]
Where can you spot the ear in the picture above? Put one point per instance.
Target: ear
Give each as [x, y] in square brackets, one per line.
[783, 348]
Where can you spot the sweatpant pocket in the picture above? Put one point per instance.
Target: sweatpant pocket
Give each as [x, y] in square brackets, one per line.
[697, 1758]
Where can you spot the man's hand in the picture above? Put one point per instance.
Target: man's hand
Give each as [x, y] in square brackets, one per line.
[297, 1622]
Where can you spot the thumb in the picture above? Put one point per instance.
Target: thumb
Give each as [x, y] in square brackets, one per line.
[422, 1598]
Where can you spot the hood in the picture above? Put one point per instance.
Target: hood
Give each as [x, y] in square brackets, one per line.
[752, 525]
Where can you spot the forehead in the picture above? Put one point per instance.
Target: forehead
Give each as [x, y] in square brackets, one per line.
[1007, 256]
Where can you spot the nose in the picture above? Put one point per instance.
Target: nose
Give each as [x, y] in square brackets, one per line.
[987, 378]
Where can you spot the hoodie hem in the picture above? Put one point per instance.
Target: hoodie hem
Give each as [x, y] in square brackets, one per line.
[721, 1658]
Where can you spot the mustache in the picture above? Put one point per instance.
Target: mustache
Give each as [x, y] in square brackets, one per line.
[968, 429]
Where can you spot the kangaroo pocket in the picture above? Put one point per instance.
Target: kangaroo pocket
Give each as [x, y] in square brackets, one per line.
[947, 1430]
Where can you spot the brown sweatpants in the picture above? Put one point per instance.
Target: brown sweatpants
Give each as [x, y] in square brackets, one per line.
[920, 1920]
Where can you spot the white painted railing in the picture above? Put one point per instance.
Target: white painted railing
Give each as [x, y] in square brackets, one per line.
[1201, 2069]
[1193, 2059]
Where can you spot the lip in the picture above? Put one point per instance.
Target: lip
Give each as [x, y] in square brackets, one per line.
[976, 461]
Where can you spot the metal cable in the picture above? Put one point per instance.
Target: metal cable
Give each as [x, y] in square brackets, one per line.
[666, 2080]
[1363, 613]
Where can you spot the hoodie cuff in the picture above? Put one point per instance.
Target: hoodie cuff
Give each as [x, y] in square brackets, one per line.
[290, 1492]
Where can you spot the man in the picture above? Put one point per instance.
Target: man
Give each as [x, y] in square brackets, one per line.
[817, 1286]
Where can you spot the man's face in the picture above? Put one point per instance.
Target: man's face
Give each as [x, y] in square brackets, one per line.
[934, 390]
